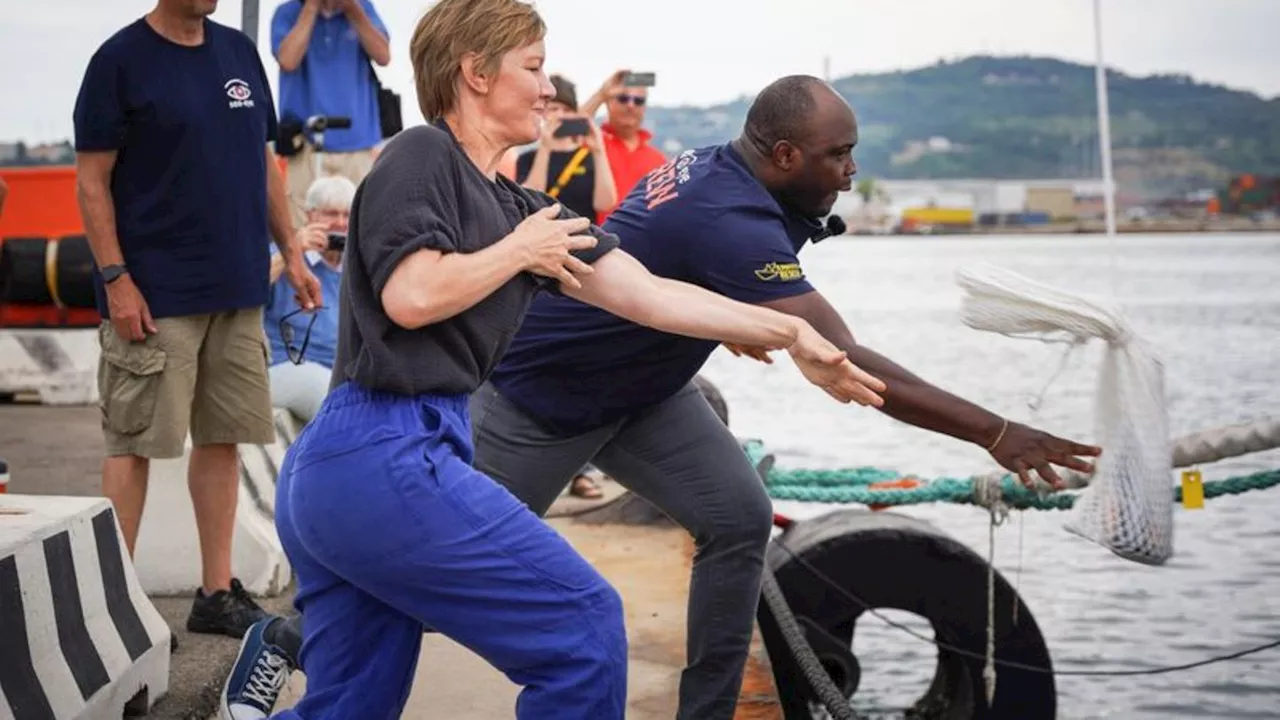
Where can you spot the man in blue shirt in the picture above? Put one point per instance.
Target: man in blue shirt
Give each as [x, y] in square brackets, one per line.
[325, 49]
[179, 192]
[303, 344]
[579, 384]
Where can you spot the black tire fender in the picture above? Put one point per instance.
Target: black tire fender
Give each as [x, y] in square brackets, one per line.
[895, 561]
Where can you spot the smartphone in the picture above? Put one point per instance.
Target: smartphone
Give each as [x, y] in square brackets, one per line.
[572, 127]
[642, 79]
[337, 241]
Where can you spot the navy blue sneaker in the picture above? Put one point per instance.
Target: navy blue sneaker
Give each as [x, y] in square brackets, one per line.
[258, 675]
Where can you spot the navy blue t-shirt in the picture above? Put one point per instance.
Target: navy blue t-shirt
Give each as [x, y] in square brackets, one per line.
[702, 218]
[191, 127]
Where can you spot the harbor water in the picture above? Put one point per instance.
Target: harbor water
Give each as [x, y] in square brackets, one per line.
[1210, 305]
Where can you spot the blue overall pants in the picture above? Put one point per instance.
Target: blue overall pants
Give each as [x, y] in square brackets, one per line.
[391, 529]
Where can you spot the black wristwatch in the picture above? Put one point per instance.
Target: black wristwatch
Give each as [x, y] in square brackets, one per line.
[111, 273]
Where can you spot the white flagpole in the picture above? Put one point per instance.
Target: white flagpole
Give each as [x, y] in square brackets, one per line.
[1104, 121]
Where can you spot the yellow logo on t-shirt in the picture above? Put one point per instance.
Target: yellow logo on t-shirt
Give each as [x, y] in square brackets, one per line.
[784, 272]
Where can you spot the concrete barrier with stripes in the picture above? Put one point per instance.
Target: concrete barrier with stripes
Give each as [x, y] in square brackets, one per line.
[60, 366]
[167, 554]
[78, 636]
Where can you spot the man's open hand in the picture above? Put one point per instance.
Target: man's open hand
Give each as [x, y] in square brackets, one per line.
[1023, 449]
[828, 367]
[304, 283]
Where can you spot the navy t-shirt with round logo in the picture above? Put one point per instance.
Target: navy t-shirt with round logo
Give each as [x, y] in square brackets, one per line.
[190, 125]
[702, 218]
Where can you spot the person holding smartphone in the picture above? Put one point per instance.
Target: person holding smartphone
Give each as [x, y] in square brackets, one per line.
[624, 95]
[569, 163]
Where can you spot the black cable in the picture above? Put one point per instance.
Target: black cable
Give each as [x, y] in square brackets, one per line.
[1009, 663]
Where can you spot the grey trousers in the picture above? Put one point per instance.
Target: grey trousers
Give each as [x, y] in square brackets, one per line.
[678, 456]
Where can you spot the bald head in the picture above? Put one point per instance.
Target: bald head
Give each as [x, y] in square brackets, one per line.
[799, 138]
[789, 109]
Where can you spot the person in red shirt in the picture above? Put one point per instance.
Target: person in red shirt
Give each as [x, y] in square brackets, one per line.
[626, 142]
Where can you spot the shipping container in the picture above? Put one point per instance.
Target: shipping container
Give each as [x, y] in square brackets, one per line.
[1055, 202]
[939, 215]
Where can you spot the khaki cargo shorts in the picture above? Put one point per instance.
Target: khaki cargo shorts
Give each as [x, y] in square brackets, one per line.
[202, 373]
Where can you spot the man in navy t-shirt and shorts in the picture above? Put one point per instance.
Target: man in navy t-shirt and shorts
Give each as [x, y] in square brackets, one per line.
[579, 384]
[179, 192]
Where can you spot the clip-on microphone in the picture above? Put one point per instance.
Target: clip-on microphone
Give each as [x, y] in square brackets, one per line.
[835, 226]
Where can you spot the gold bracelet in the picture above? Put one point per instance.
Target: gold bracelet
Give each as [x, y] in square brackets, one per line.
[999, 437]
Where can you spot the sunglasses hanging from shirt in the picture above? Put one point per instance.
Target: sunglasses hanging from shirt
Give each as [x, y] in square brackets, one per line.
[297, 354]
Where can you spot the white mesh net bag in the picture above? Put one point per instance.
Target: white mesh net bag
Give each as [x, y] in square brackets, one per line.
[1128, 506]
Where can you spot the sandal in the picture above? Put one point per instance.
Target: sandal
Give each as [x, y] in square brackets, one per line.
[584, 487]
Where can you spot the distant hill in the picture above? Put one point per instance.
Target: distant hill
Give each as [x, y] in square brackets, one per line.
[1028, 117]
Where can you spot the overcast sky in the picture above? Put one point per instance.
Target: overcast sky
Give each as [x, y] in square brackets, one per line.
[706, 51]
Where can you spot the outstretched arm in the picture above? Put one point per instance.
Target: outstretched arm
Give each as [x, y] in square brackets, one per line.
[912, 400]
[621, 285]
[908, 398]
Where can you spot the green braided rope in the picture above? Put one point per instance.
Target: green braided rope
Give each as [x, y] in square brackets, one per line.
[849, 486]
[831, 478]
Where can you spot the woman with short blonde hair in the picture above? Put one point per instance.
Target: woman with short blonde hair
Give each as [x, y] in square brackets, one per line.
[388, 525]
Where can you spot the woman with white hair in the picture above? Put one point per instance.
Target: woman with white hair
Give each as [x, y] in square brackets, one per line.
[304, 344]
[386, 522]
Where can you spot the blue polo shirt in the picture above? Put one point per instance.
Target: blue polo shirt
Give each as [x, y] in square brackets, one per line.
[334, 77]
[323, 345]
[190, 126]
[702, 218]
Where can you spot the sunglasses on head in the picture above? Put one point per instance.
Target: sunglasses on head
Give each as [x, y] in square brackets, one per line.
[637, 100]
[296, 354]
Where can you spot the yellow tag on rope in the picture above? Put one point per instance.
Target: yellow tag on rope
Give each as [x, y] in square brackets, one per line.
[1192, 490]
